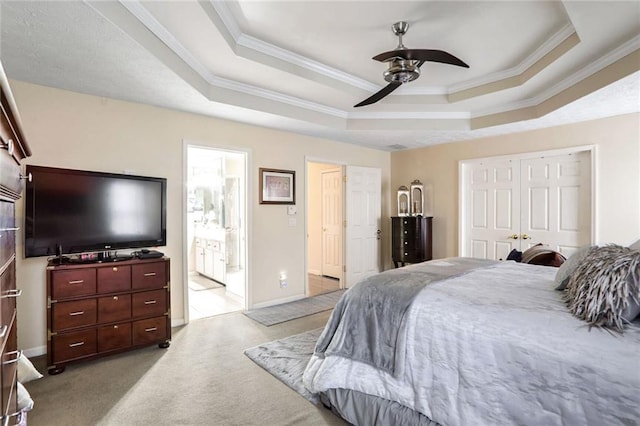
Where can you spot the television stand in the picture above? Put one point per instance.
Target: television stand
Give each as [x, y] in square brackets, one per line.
[104, 308]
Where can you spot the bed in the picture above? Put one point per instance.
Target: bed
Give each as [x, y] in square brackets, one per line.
[472, 342]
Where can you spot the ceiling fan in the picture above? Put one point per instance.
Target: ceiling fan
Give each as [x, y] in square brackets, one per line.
[404, 64]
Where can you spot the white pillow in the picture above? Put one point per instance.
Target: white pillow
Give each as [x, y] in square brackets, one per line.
[24, 399]
[26, 371]
[635, 246]
[569, 266]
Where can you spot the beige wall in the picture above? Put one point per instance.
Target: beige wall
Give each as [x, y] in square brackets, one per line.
[66, 129]
[617, 169]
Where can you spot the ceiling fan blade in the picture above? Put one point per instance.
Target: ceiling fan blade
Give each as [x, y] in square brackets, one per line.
[380, 94]
[430, 55]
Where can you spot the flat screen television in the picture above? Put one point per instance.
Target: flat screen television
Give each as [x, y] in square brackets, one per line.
[74, 211]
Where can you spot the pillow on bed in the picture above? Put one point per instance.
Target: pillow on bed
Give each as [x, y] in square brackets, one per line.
[569, 266]
[604, 290]
[635, 246]
[515, 254]
[542, 255]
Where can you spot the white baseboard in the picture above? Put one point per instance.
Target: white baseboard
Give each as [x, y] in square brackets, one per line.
[277, 301]
[37, 351]
[177, 322]
[314, 272]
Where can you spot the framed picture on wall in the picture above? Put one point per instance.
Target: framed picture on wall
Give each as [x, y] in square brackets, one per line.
[277, 186]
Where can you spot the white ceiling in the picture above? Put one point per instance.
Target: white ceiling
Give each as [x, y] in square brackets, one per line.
[302, 65]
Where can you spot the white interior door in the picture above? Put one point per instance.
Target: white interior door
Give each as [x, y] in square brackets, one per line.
[492, 201]
[520, 202]
[332, 223]
[363, 211]
[556, 202]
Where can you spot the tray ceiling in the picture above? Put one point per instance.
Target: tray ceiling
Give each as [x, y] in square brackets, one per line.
[302, 65]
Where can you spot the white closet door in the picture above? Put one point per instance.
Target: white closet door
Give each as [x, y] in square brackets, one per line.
[520, 202]
[492, 201]
[556, 202]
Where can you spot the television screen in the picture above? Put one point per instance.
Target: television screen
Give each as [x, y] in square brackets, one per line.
[75, 211]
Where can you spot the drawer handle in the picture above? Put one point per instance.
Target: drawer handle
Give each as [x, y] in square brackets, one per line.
[13, 293]
[115, 297]
[76, 282]
[150, 329]
[115, 327]
[8, 146]
[115, 269]
[75, 345]
[3, 331]
[73, 314]
[9, 229]
[150, 274]
[18, 355]
[149, 302]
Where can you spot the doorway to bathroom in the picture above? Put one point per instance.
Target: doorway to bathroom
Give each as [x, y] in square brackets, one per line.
[216, 231]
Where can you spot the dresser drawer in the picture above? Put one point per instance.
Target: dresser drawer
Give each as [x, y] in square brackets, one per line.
[114, 308]
[10, 176]
[112, 337]
[9, 370]
[114, 278]
[77, 313]
[8, 300]
[77, 282]
[149, 330]
[70, 346]
[7, 232]
[148, 275]
[149, 303]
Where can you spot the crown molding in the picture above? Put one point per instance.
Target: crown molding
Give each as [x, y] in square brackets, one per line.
[594, 67]
[547, 47]
[263, 47]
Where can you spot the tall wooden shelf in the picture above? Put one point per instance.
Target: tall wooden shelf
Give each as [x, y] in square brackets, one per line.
[411, 239]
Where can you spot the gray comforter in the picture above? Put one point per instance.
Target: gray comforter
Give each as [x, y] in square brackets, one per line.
[498, 346]
[365, 324]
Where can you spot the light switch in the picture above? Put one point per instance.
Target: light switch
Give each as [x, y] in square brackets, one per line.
[291, 210]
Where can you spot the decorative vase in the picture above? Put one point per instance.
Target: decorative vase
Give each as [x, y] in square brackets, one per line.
[404, 201]
[417, 198]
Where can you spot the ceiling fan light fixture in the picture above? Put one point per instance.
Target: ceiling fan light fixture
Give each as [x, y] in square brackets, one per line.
[402, 71]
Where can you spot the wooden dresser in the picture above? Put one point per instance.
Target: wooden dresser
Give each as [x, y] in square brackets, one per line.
[411, 239]
[14, 150]
[101, 309]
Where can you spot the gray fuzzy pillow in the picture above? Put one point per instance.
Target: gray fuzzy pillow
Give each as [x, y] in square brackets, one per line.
[604, 290]
[567, 268]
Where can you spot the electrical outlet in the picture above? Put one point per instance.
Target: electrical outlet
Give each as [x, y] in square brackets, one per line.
[283, 280]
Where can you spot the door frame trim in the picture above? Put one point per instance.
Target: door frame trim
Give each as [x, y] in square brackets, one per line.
[313, 159]
[462, 164]
[186, 143]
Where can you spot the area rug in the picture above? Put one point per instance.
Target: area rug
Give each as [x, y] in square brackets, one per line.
[287, 358]
[300, 308]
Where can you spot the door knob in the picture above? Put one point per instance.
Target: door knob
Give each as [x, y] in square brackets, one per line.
[514, 236]
[525, 237]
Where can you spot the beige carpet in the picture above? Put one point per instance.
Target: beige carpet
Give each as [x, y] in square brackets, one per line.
[202, 379]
